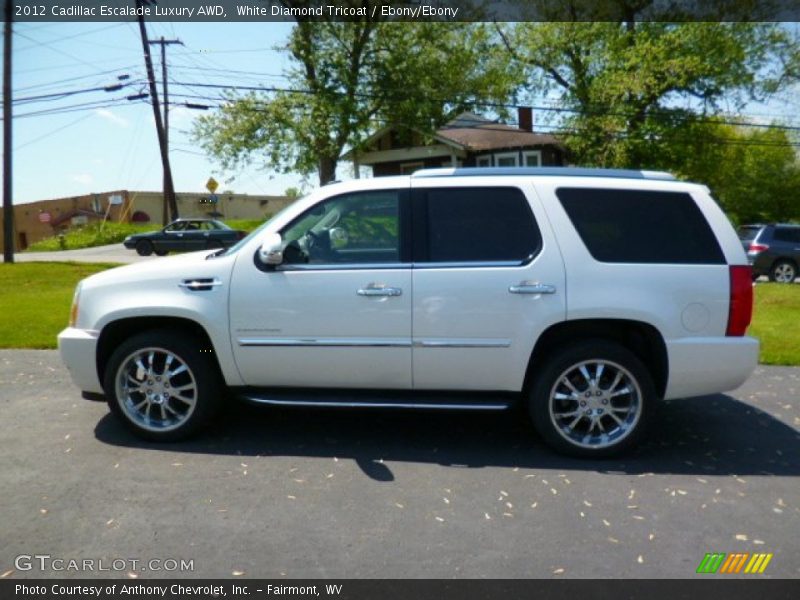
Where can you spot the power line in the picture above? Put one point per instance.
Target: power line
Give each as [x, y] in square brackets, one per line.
[61, 52]
[72, 79]
[64, 38]
[60, 95]
[116, 102]
[655, 113]
[53, 132]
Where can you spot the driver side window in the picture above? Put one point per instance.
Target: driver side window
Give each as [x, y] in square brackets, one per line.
[360, 228]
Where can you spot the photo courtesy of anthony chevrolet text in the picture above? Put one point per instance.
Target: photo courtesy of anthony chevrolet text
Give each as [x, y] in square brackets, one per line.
[383, 299]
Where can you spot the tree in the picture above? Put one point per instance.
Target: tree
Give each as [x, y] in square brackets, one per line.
[349, 79]
[635, 88]
[293, 192]
[753, 173]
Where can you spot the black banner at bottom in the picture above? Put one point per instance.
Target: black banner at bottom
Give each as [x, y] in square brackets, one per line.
[388, 589]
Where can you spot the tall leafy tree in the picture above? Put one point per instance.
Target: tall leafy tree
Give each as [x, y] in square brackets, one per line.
[350, 78]
[635, 88]
[754, 173]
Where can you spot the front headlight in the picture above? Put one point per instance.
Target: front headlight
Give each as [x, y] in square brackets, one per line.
[73, 311]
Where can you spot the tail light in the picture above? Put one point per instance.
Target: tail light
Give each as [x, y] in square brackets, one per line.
[757, 248]
[741, 300]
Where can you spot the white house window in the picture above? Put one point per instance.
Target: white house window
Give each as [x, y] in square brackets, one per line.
[484, 161]
[410, 167]
[533, 158]
[506, 159]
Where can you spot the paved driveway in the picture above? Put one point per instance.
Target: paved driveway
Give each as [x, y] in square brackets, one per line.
[116, 253]
[282, 493]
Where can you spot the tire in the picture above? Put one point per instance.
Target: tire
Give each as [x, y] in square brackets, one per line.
[214, 245]
[565, 423]
[158, 408]
[144, 248]
[783, 271]
[161, 252]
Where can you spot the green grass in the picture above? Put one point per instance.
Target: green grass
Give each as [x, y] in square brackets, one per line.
[776, 322]
[35, 301]
[36, 297]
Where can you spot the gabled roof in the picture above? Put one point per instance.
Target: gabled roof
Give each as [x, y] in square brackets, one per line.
[476, 133]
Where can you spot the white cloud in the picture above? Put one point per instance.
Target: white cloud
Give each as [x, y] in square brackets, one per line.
[83, 178]
[110, 116]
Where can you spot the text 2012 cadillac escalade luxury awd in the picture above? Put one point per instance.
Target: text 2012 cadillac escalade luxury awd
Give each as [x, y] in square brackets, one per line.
[586, 295]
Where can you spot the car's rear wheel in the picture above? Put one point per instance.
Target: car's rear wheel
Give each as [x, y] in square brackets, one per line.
[592, 399]
[144, 248]
[162, 385]
[783, 271]
[161, 252]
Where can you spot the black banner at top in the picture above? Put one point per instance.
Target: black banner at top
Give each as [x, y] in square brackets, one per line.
[412, 10]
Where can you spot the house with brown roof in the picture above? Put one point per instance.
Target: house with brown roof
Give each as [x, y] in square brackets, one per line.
[469, 140]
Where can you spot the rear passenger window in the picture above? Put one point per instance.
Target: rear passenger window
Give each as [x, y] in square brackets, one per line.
[786, 234]
[637, 226]
[478, 225]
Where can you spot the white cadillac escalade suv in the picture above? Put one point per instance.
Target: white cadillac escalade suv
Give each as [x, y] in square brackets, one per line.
[585, 295]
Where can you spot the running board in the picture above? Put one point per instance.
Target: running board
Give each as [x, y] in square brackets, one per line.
[479, 401]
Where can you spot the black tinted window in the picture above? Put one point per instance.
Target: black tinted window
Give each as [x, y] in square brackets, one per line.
[479, 224]
[634, 226]
[786, 234]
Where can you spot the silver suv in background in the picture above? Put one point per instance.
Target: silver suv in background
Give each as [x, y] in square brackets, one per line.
[773, 250]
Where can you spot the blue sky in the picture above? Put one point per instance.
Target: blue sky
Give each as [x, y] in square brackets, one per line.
[114, 145]
[99, 149]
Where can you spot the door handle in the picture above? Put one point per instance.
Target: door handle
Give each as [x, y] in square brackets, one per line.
[379, 290]
[532, 287]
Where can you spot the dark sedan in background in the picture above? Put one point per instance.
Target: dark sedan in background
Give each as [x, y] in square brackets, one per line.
[773, 250]
[184, 235]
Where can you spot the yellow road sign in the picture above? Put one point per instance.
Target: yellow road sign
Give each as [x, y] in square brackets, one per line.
[212, 185]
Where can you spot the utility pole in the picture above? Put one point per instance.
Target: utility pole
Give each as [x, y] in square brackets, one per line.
[164, 43]
[169, 188]
[8, 200]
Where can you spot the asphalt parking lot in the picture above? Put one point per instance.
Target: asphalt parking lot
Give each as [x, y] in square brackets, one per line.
[281, 493]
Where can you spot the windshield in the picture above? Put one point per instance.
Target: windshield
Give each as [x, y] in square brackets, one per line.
[255, 232]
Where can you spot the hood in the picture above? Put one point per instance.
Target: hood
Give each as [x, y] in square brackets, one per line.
[170, 268]
[144, 235]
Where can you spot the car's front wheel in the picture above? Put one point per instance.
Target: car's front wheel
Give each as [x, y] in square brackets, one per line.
[592, 399]
[144, 248]
[164, 385]
[783, 271]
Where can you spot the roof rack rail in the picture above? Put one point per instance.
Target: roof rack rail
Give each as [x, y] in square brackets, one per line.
[544, 172]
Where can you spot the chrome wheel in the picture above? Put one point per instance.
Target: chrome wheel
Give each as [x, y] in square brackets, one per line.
[784, 272]
[156, 389]
[595, 404]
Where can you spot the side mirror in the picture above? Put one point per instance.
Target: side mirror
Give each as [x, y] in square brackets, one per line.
[271, 251]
